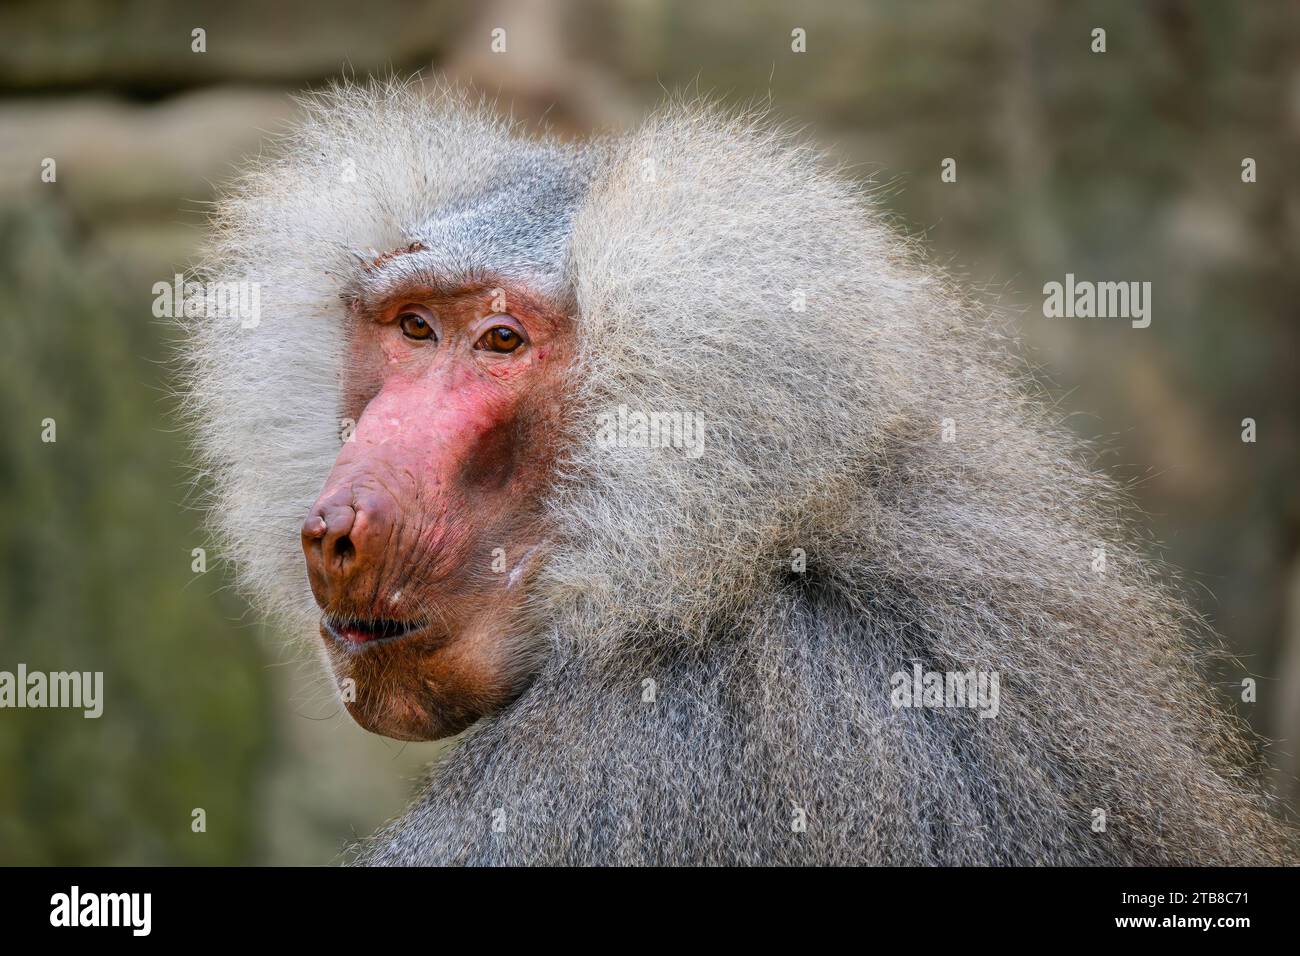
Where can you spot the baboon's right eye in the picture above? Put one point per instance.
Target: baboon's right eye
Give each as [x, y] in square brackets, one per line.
[416, 325]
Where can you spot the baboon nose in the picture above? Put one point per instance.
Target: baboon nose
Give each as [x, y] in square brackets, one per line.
[339, 539]
[326, 532]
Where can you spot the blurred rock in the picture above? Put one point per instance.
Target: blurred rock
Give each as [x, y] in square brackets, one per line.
[144, 46]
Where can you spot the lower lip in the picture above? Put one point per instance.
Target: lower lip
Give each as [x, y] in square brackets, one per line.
[355, 640]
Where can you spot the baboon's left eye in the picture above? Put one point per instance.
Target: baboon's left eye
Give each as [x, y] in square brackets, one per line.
[500, 338]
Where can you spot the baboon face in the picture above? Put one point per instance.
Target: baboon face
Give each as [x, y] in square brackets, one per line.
[420, 546]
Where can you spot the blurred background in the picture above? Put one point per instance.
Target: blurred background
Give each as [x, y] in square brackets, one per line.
[1123, 165]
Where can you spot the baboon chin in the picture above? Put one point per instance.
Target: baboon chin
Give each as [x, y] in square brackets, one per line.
[730, 527]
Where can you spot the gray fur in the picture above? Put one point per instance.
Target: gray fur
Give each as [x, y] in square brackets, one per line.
[682, 248]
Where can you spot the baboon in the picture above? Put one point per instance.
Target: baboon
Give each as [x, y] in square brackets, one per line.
[669, 657]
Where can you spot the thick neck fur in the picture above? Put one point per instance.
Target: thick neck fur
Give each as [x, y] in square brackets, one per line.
[787, 713]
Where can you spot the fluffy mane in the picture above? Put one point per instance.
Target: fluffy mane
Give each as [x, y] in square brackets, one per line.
[700, 689]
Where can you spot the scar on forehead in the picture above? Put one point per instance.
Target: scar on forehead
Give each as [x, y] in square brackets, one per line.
[382, 258]
[371, 261]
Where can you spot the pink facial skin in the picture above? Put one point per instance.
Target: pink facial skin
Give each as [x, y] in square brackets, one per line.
[416, 547]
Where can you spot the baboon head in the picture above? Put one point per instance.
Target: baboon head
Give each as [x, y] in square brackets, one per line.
[517, 394]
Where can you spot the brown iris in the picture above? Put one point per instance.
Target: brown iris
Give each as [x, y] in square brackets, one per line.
[500, 338]
[415, 326]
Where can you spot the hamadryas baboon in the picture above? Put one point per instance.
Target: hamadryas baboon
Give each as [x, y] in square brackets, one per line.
[651, 461]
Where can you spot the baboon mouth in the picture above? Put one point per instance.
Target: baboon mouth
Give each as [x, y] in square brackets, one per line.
[355, 632]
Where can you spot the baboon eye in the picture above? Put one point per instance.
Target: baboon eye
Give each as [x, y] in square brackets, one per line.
[500, 338]
[415, 326]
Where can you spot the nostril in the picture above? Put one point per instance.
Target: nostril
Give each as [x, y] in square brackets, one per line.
[343, 550]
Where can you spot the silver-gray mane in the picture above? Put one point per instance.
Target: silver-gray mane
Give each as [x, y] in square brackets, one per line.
[705, 697]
